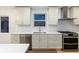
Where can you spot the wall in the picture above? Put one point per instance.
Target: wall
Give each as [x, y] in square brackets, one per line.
[40, 10]
[47, 28]
[11, 12]
[14, 28]
[17, 29]
[67, 25]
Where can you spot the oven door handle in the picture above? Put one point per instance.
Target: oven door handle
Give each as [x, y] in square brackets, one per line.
[71, 43]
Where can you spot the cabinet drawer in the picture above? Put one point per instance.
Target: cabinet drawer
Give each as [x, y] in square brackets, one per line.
[54, 35]
[43, 36]
[52, 41]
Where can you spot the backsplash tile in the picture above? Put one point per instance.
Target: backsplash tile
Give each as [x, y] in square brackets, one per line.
[67, 25]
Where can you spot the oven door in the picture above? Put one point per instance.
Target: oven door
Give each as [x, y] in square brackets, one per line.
[70, 40]
[70, 46]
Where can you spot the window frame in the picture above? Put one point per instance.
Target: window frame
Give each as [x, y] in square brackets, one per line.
[39, 20]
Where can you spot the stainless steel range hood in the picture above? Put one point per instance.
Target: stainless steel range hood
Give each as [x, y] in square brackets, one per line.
[64, 13]
[67, 18]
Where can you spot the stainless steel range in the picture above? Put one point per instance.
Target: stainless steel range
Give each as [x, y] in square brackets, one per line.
[69, 40]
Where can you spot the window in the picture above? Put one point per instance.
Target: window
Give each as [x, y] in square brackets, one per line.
[39, 19]
[39, 23]
[39, 16]
[4, 24]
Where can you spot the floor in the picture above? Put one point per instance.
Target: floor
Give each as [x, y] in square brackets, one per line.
[53, 51]
[32, 51]
[42, 52]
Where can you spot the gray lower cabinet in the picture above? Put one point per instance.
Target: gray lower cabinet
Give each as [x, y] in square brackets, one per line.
[46, 41]
[15, 38]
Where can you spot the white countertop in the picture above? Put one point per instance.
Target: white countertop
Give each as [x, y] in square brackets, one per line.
[47, 33]
[54, 33]
[13, 48]
[77, 32]
[33, 33]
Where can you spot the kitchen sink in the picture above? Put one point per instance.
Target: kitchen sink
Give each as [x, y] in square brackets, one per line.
[39, 32]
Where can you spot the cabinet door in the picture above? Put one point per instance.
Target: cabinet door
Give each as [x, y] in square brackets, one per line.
[22, 38]
[54, 41]
[23, 15]
[53, 15]
[35, 41]
[26, 20]
[43, 41]
[5, 38]
[59, 41]
[19, 14]
[75, 14]
[15, 38]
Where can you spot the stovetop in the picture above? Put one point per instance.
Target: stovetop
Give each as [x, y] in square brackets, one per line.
[66, 32]
[69, 33]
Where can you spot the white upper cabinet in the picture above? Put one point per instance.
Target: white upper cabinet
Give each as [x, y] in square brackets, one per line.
[75, 14]
[53, 15]
[23, 15]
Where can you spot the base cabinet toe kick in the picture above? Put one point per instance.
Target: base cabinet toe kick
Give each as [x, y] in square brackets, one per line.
[46, 41]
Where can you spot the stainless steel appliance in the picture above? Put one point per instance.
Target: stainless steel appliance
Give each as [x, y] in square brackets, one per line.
[65, 11]
[69, 40]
